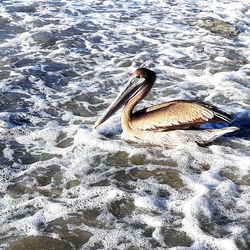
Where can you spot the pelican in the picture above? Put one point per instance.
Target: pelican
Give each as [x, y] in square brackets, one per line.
[171, 123]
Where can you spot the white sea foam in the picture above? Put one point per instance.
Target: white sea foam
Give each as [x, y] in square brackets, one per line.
[62, 64]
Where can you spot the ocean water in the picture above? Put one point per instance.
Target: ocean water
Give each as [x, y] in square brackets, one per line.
[65, 185]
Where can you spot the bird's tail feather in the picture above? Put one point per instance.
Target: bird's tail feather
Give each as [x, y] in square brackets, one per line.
[215, 133]
[223, 116]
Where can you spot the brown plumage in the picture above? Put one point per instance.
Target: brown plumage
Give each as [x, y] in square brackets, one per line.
[176, 114]
[168, 122]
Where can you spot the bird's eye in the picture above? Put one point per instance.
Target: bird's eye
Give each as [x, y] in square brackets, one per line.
[138, 76]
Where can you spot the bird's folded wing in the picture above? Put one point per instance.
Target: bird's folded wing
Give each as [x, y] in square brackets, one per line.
[172, 115]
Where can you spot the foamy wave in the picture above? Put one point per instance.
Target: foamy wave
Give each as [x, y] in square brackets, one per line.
[67, 185]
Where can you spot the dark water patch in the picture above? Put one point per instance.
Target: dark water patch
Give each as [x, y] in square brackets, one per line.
[69, 73]
[219, 220]
[45, 39]
[148, 232]
[17, 190]
[215, 226]
[28, 189]
[70, 12]
[102, 183]
[30, 9]
[7, 236]
[5, 162]
[96, 108]
[236, 57]
[65, 143]
[77, 237]
[231, 173]
[89, 26]
[96, 160]
[44, 20]
[52, 66]
[69, 32]
[74, 44]
[52, 193]
[19, 120]
[53, 111]
[220, 98]
[95, 39]
[130, 49]
[50, 175]
[21, 156]
[125, 63]
[218, 27]
[8, 30]
[13, 102]
[162, 193]
[133, 248]
[221, 67]
[88, 217]
[23, 83]
[141, 159]
[7, 55]
[243, 244]
[174, 238]
[24, 62]
[77, 109]
[51, 78]
[119, 159]
[39, 242]
[56, 3]
[91, 98]
[54, 82]
[124, 180]
[73, 183]
[61, 136]
[23, 212]
[2, 146]
[162, 176]
[36, 181]
[205, 167]
[9, 170]
[121, 208]
[4, 74]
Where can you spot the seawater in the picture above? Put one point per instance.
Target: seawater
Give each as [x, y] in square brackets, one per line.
[65, 185]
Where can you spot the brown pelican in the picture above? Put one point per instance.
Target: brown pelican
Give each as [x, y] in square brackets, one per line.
[171, 123]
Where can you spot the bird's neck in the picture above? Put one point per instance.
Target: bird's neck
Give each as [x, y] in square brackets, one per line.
[130, 105]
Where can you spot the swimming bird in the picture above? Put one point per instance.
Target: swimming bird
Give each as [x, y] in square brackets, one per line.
[172, 123]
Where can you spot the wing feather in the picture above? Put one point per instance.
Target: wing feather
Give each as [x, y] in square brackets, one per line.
[179, 114]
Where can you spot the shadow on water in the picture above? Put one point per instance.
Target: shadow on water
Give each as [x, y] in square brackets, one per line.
[242, 121]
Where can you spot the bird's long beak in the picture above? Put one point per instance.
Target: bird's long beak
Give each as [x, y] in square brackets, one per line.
[128, 92]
